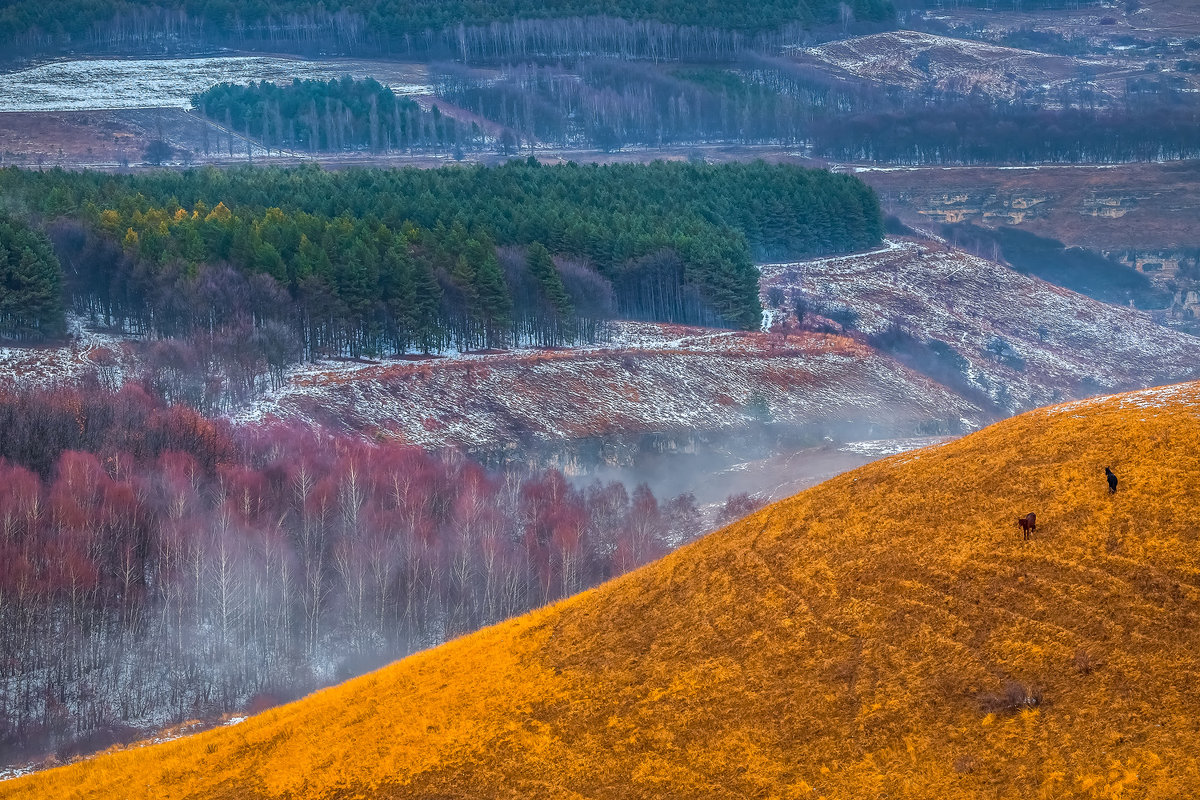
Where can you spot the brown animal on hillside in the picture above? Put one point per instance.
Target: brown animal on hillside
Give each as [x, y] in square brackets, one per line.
[1028, 524]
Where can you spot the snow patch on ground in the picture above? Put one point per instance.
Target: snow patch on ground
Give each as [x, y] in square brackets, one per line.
[878, 448]
[103, 83]
[1018, 340]
[1180, 394]
[87, 351]
[919, 61]
[646, 378]
[16, 772]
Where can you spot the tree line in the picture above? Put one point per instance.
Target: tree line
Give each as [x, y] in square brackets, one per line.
[609, 103]
[757, 99]
[345, 114]
[157, 566]
[229, 303]
[462, 28]
[978, 133]
[352, 235]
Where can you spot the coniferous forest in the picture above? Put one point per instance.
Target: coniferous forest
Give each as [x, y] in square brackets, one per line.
[249, 271]
[758, 99]
[31, 291]
[346, 114]
[610, 104]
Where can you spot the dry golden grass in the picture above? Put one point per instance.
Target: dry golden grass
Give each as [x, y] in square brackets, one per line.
[877, 636]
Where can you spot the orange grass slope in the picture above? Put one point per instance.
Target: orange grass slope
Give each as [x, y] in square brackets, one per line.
[854, 641]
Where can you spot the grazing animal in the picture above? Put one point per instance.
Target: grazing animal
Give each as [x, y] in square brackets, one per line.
[1028, 524]
[1112, 481]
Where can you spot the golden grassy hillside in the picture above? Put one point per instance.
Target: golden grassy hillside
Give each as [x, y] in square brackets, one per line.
[880, 635]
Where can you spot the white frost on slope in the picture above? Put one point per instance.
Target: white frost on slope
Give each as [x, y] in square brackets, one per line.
[916, 60]
[649, 378]
[1024, 342]
[1180, 394]
[96, 84]
[878, 448]
[16, 772]
[86, 352]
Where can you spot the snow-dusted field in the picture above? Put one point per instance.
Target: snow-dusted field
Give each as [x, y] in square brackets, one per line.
[1022, 341]
[1011, 342]
[86, 353]
[1185, 394]
[93, 84]
[649, 378]
[917, 61]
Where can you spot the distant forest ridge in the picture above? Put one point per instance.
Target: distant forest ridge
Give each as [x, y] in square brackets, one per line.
[466, 27]
[756, 99]
[611, 103]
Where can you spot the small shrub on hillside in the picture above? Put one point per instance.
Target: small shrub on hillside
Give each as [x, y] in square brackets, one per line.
[1014, 697]
[1085, 663]
[740, 505]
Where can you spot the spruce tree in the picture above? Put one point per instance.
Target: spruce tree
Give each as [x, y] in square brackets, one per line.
[541, 266]
[32, 307]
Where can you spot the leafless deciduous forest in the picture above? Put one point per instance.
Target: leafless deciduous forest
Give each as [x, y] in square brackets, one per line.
[157, 566]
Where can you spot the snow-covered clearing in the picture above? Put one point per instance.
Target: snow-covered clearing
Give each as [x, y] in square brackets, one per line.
[92, 84]
[86, 352]
[918, 61]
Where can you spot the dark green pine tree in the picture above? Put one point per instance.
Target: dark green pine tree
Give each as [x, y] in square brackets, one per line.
[494, 303]
[559, 327]
[541, 266]
[32, 306]
[397, 294]
[428, 331]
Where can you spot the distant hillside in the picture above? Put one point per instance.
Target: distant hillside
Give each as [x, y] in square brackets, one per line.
[922, 61]
[884, 634]
[364, 25]
[664, 379]
[989, 332]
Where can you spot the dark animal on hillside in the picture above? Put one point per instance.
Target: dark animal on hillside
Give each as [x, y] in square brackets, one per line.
[1028, 524]
[1112, 481]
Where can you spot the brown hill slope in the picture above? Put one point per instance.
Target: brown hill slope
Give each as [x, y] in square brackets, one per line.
[651, 378]
[884, 634]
